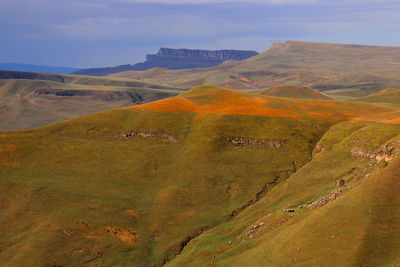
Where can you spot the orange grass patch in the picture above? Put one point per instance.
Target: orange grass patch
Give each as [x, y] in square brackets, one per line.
[178, 104]
[7, 156]
[209, 100]
[132, 213]
[12, 149]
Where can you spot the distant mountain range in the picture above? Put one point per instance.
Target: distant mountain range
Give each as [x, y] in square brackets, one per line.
[176, 59]
[36, 68]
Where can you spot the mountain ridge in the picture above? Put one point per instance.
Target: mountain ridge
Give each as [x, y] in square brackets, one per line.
[170, 58]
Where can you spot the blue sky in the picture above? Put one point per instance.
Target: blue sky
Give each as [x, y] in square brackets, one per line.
[88, 33]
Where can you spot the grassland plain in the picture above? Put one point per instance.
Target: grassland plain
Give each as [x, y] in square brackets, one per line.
[186, 180]
[27, 103]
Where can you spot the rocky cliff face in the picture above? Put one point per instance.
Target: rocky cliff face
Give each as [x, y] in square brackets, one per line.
[220, 55]
[177, 59]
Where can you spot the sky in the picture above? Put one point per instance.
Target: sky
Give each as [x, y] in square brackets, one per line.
[99, 33]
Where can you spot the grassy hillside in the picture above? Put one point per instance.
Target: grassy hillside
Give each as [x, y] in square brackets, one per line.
[390, 95]
[31, 103]
[82, 80]
[312, 219]
[294, 92]
[318, 65]
[182, 180]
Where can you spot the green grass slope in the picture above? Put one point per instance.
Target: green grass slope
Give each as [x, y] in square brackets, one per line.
[390, 95]
[181, 181]
[355, 224]
[294, 92]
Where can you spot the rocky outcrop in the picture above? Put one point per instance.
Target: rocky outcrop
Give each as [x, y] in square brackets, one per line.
[103, 95]
[262, 143]
[325, 200]
[176, 59]
[387, 153]
[167, 137]
[221, 55]
[254, 229]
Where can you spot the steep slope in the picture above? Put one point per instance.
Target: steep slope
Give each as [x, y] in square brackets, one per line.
[340, 209]
[30, 103]
[136, 186]
[294, 92]
[318, 65]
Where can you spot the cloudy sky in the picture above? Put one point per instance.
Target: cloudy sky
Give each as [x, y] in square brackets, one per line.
[88, 33]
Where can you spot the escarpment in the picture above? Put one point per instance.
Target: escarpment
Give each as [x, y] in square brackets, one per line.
[175, 59]
[103, 95]
[262, 143]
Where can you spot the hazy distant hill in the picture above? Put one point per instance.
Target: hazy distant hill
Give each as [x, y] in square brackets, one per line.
[176, 59]
[316, 65]
[36, 68]
[29, 99]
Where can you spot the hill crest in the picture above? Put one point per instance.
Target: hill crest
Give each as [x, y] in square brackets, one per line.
[219, 100]
[294, 92]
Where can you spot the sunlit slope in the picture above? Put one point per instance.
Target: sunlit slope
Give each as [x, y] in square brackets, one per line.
[340, 209]
[75, 193]
[26, 103]
[136, 186]
[294, 92]
[218, 100]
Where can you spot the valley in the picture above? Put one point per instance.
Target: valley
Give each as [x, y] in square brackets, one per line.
[187, 181]
[34, 99]
[160, 168]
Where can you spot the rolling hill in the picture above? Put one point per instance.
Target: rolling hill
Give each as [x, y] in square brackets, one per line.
[212, 177]
[294, 92]
[321, 66]
[34, 99]
[389, 95]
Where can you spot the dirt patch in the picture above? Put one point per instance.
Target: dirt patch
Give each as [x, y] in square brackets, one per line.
[132, 213]
[128, 237]
[8, 156]
[12, 149]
